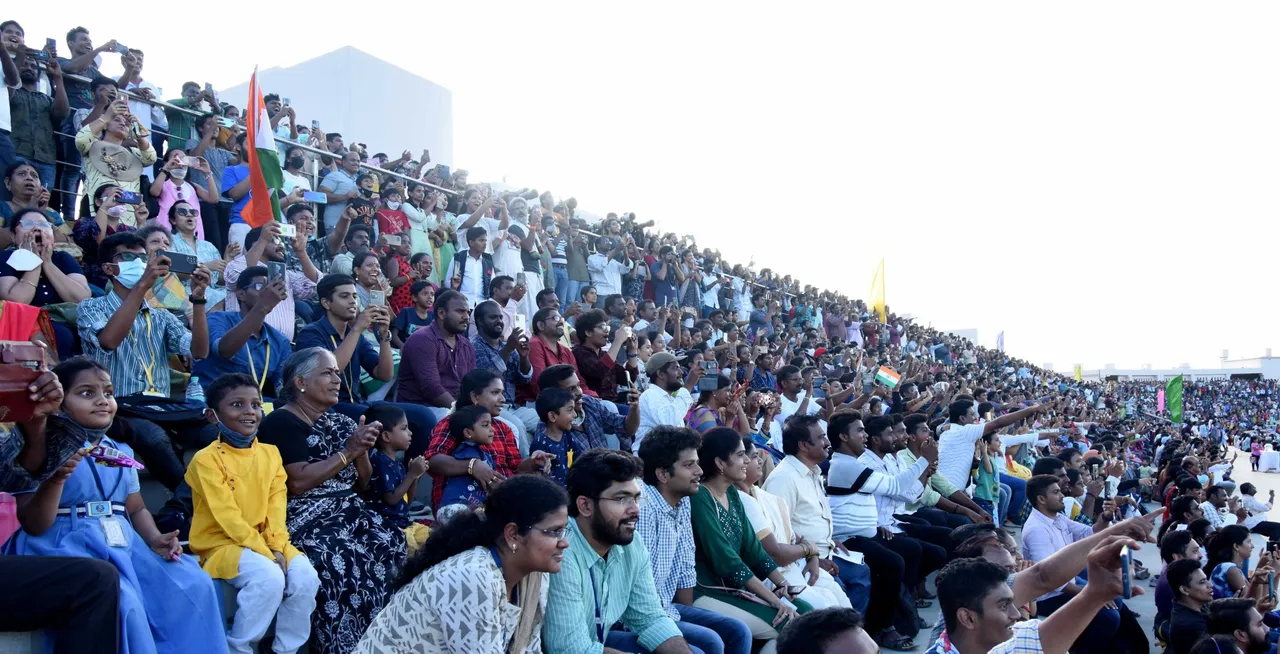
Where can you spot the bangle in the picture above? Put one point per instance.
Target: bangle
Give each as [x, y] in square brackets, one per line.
[342, 455]
[24, 281]
[471, 468]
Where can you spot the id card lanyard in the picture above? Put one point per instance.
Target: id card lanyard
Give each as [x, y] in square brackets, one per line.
[112, 529]
[595, 594]
[146, 367]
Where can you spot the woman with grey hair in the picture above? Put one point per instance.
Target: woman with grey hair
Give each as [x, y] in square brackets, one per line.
[325, 454]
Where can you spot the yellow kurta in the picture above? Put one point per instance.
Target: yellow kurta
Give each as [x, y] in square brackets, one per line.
[239, 497]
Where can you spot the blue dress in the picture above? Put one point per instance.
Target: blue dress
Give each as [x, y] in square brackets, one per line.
[164, 606]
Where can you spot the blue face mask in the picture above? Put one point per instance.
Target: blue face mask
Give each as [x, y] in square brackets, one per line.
[130, 272]
[234, 438]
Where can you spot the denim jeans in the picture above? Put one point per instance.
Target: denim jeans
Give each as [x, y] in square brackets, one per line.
[1018, 497]
[713, 633]
[625, 641]
[856, 581]
[561, 274]
[574, 293]
[1005, 494]
[421, 421]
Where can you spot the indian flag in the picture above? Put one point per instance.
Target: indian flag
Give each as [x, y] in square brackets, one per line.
[265, 178]
[886, 375]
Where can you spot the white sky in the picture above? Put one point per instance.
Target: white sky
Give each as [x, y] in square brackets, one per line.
[1096, 179]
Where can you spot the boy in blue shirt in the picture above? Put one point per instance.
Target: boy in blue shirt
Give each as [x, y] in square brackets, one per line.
[555, 435]
[393, 481]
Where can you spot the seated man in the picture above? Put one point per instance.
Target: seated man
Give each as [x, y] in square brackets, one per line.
[1191, 592]
[547, 349]
[509, 357]
[1175, 546]
[241, 341]
[135, 342]
[341, 331]
[436, 358]
[981, 616]
[596, 420]
[359, 237]
[671, 474]
[605, 577]
[77, 599]
[1046, 531]
[263, 247]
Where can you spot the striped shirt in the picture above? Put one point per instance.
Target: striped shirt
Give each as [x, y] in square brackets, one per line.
[857, 514]
[156, 335]
[668, 534]
[591, 593]
[892, 502]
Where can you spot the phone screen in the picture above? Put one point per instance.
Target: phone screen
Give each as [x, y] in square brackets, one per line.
[51, 45]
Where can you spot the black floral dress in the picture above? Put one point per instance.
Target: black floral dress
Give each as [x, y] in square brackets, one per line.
[356, 551]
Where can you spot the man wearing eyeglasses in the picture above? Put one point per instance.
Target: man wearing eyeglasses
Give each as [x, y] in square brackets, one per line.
[606, 577]
[242, 342]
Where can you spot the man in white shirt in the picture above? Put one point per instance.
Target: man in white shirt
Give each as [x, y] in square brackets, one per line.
[667, 399]
[606, 270]
[798, 481]
[796, 396]
[955, 445]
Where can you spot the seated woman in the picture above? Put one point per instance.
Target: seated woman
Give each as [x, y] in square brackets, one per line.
[238, 523]
[356, 551]
[57, 279]
[501, 557]
[718, 408]
[728, 556]
[771, 521]
[89, 231]
[1229, 550]
[168, 292]
[185, 218]
[171, 186]
[480, 387]
[27, 191]
[167, 603]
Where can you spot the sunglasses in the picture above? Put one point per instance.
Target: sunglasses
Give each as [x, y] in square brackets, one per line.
[130, 256]
[186, 212]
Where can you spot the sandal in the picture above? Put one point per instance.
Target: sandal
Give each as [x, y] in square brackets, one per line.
[923, 604]
[892, 640]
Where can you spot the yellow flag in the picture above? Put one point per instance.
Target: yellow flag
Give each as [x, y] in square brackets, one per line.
[877, 293]
[1078, 371]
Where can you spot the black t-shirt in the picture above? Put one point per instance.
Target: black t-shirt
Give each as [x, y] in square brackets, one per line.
[1185, 627]
[288, 433]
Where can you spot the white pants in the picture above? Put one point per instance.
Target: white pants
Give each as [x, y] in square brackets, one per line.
[760, 630]
[237, 233]
[265, 593]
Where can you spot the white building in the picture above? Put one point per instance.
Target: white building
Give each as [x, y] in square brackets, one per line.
[1266, 367]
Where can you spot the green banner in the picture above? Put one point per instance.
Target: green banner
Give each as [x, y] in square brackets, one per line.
[1173, 399]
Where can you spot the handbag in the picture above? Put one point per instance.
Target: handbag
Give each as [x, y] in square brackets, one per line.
[20, 364]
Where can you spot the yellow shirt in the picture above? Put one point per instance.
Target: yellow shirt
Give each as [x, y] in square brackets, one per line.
[239, 497]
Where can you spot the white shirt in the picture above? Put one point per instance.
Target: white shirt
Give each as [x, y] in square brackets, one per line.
[292, 181]
[1257, 510]
[606, 274]
[490, 225]
[148, 114]
[787, 408]
[888, 503]
[658, 407]
[802, 489]
[1217, 520]
[1014, 441]
[472, 281]
[955, 452]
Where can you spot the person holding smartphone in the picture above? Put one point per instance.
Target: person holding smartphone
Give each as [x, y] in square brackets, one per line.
[117, 135]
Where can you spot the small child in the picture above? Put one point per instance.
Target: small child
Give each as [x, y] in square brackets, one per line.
[411, 319]
[555, 434]
[393, 481]
[472, 427]
[986, 486]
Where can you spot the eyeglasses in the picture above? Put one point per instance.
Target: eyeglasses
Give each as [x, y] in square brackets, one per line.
[557, 534]
[186, 212]
[35, 223]
[626, 501]
[130, 256]
[256, 286]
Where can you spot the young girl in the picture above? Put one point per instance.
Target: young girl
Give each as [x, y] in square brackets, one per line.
[238, 525]
[986, 491]
[394, 483]
[472, 427]
[89, 509]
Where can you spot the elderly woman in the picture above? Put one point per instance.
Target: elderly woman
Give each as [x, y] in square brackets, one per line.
[56, 279]
[501, 557]
[356, 552]
[116, 148]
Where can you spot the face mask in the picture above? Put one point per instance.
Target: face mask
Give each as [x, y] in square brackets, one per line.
[296, 162]
[115, 211]
[366, 192]
[130, 272]
[233, 438]
[393, 205]
[179, 173]
[441, 202]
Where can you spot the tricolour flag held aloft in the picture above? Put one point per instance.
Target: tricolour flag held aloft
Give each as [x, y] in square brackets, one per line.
[888, 376]
[265, 178]
[1173, 399]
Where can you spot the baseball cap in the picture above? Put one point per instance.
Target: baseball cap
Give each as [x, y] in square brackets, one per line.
[658, 362]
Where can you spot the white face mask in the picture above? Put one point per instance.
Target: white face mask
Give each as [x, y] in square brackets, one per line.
[393, 206]
[115, 211]
[441, 202]
[179, 173]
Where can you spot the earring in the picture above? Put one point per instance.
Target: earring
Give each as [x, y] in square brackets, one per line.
[512, 546]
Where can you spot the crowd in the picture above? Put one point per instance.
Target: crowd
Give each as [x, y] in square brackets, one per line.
[631, 444]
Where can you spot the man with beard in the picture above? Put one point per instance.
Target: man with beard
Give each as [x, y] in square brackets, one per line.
[882, 442]
[982, 616]
[509, 357]
[1192, 590]
[605, 577]
[36, 116]
[435, 358]
[547, 349]
[667, 399]
[1239, 618]
[671, 476]
[941, 504]
[595, 420]
[1048, 530]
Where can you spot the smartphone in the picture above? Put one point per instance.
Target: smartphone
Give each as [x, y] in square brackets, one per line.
[522, 321]
[180, 263]
[315, 124]
[1271, 585]
[122, 48]
[1126, 565]
[129, 197]
[38, 55]
[392, 239]
[315, 196]
[288, 231]
[377, 298]
[51, 45]
[710, 380]
[275, 271]
[444, 172]
[227, 122]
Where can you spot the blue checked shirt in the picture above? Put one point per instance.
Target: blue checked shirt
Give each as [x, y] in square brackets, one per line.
[600, 420]
[591, 592]
[668, 534]
[488, 356]
[155, 335]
